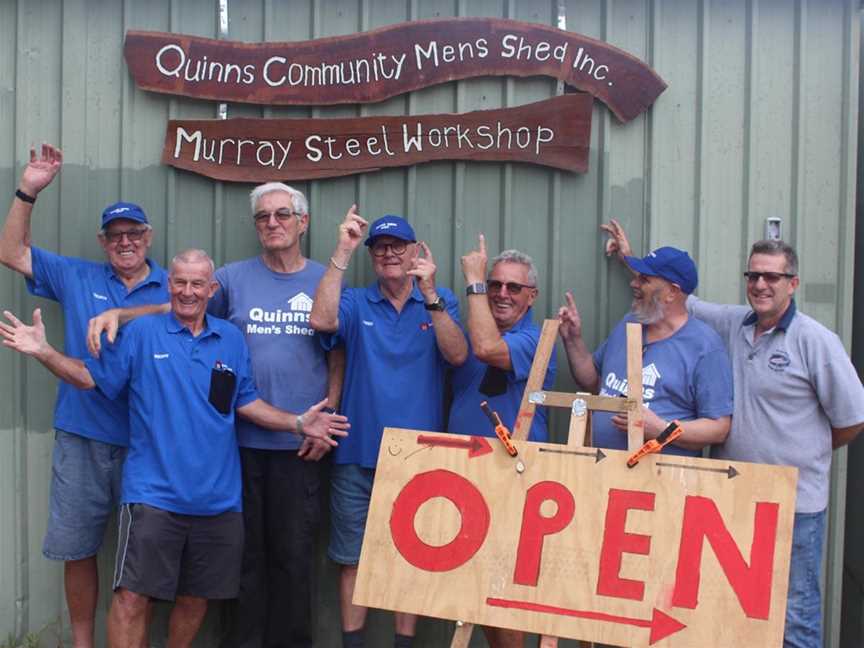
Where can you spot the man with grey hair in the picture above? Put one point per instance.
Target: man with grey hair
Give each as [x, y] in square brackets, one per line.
[91, 431]
[186, 374]
[269, 298]
[502, 340]
[797, 397]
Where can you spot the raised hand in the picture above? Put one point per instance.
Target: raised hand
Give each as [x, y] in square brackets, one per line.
[424, 269]
[40, 171]
[107, 322]
[570, 322]
[29, 340]
[352, 230]
[474, 263]
[323, 426]
[617, 242]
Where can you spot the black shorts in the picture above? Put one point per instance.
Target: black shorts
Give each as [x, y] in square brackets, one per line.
[165, 555]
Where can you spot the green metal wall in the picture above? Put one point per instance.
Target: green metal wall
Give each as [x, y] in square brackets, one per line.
[760, 119]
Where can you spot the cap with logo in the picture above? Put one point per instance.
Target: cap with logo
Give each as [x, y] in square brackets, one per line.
[391, 225]
[127, 210]
[668, 263]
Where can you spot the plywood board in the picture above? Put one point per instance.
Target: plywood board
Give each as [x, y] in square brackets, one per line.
[674, 552]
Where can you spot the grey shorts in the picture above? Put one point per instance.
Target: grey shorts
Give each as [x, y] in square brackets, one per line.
[85, 489]
[164, 555]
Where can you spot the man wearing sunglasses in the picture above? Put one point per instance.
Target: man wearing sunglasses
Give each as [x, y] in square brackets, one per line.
[92, 431]
[686, 373]
[797, 396]
[400, 335]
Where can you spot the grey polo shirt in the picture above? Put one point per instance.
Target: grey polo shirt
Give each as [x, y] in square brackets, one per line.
[791, 386]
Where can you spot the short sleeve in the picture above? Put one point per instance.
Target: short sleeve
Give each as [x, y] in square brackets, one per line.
[837, 384]
[113, 369]
[218, 305]
[246, 389]
[50, 272]
[347, 313]
[712, 383]
[522, 345]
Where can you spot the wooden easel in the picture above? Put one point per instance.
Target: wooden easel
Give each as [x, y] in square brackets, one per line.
[579, 433]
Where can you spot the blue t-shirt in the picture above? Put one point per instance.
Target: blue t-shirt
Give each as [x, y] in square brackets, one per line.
[685, 376]
[272, 310]
[183, 454]
[394, 372]
[466, 417]
[85, 289]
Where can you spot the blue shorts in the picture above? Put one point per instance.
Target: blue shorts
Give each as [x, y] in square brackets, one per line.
[85, 490]
[350, 492]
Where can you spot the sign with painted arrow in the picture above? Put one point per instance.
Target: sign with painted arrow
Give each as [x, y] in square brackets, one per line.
[674, 552]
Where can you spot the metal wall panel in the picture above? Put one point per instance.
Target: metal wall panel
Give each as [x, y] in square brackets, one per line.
[760, 119]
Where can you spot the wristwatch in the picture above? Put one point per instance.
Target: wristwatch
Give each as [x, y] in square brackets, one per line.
[476, 289]
[438, 305]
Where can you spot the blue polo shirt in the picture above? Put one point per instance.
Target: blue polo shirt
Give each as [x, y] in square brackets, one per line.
[394, 372]
[466, 417]
[183, 454]
[85, 289]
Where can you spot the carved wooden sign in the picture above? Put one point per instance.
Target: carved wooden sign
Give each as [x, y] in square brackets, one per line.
[555, 132]
[375, 65]
[676, 551]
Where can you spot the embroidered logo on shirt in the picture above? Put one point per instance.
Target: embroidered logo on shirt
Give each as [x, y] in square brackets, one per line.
[368, 323]
[160, 356]
[425, 326]
[98, 296]
[779, 360]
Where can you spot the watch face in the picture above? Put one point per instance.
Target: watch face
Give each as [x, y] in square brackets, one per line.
[437, 305]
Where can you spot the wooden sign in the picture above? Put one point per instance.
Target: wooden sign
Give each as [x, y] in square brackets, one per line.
[385, 62]
[555, 132]
[674, 552]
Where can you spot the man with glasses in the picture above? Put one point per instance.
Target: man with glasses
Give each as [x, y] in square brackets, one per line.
[503, 340]
[686, 373]
[269, 298]
[400, 334]
[797, 396]
[92, 431]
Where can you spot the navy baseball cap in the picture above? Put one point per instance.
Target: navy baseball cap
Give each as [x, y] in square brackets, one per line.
[391, 225]
[668, 263]
[129, 211]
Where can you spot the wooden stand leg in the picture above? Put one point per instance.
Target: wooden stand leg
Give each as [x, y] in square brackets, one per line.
[462, 635]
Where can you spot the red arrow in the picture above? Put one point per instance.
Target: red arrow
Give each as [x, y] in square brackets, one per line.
[476, 446]
[662, 625]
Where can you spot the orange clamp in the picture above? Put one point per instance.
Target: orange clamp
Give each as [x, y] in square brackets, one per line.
[667, 436]
[500, 429]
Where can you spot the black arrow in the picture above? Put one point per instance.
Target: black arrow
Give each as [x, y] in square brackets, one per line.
[597, 454]
[730, 471]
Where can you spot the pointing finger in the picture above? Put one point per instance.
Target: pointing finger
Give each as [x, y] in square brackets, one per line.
[482, 243]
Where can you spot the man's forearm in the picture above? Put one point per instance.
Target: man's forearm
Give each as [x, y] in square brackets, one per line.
[70, 370]
[265, 415]
[126, 315]
[325, 307]
[581, 364]
[335, 376]
[15, 238]
[702, 432]
[842, 436]
[449, 337]
[486, 340]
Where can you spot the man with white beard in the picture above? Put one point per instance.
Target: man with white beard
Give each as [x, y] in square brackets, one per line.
[686, 372]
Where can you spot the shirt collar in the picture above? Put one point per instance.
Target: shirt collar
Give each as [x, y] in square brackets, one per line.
[172, 325]
[784, 322]
[373, 293]
[153, 277]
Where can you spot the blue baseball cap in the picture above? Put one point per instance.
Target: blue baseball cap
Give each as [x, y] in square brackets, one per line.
[391, 225]
[668, 263]
[129, 211]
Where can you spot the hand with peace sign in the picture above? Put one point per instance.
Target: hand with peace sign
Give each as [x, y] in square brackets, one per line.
[474, 263]
[424, 269]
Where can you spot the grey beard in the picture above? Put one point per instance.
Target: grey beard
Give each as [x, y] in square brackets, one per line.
[650, 314]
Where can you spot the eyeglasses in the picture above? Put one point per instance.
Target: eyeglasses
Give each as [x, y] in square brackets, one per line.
[769, 277]
[281, 215]
[134, 235]
[397, 247]
[494, 286]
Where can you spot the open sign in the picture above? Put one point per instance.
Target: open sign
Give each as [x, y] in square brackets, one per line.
[674, 552]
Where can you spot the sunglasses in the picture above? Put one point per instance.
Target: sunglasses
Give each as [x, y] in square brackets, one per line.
[134, 235]
[281, 215]
[494, 286]
[398, 248]
[769, 277]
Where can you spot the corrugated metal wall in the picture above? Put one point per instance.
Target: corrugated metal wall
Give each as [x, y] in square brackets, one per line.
[759, 120]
